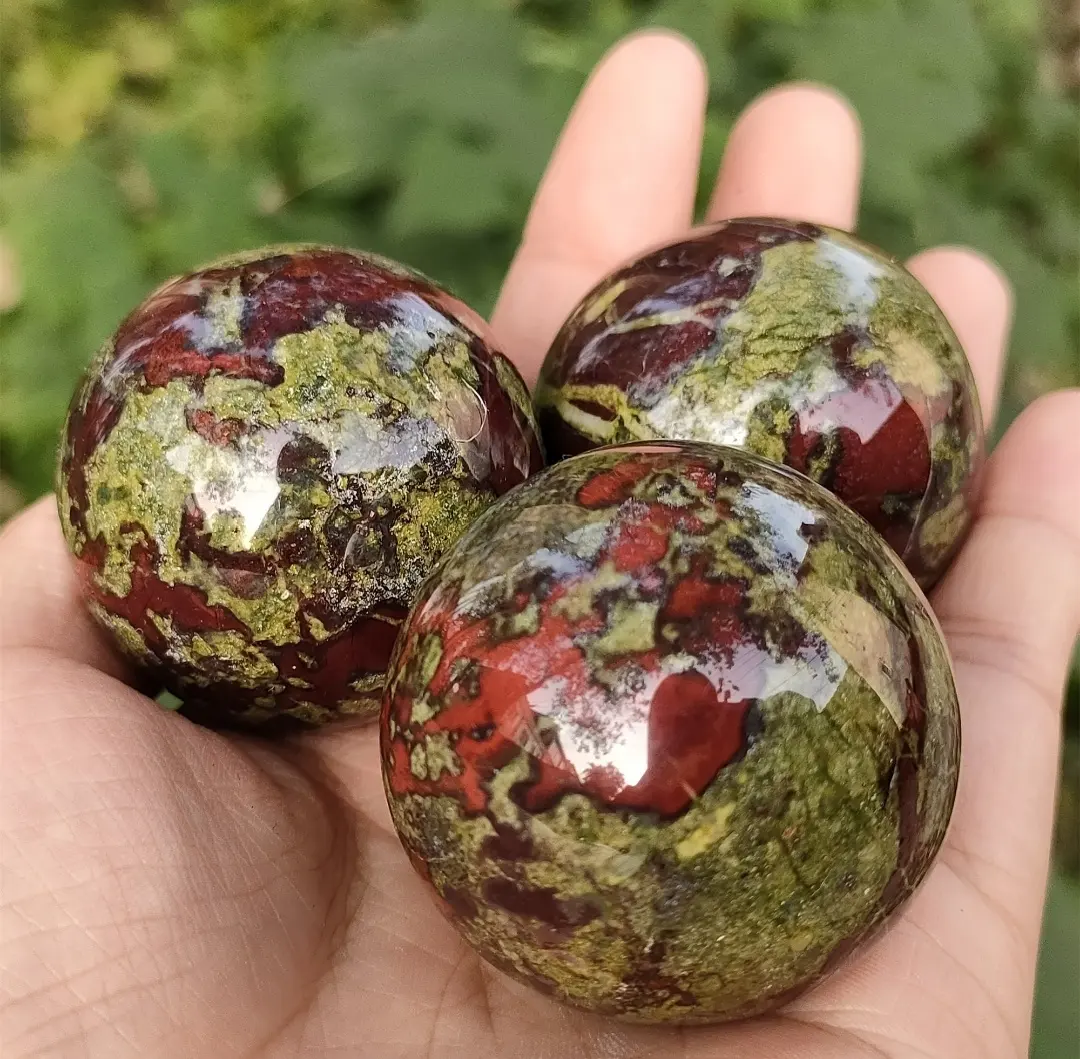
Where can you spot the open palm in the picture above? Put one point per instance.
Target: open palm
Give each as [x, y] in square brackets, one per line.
[171, 892]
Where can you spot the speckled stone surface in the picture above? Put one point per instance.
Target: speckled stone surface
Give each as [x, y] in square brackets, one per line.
[264, 462]
[798, 342]
[669, 732]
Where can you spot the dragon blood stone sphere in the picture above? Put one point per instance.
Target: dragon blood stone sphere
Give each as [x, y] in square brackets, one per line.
[669, 731]
[798, 342]
[264, 462]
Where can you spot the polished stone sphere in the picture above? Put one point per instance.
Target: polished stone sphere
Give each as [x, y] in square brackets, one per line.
[262, 464]
[669, 731]
[798, 342]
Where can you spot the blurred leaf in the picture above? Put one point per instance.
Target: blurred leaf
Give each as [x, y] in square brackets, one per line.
[82, 269]
[340, 91]
[203, 208]
[780, 11]
[459, 68]
[309, 219]
[447, 188]
[63, 92]
[1072, 709]
[33, 402]
[468, 73]
[1017, 19]
[76, 247]
[145, 51]
[718, 125]
[168, 701]
[1056, 1028]
[471, 265]
[1044, 352]
[915, 73]
[1067, 832]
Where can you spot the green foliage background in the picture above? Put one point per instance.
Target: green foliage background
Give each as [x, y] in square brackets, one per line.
[141, 137]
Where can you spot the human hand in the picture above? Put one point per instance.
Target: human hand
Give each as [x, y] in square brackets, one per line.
[172, 892]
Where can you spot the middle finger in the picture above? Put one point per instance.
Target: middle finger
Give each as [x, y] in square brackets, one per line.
[796, 153]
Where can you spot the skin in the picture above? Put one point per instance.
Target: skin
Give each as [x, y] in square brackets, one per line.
[169, 891]
[803, 344]
[262, 464]
[670, 733]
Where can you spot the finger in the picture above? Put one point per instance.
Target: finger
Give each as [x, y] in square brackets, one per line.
[977, 300]
[795, 152]
[622, 178]
[39, 593]
[1010, 608]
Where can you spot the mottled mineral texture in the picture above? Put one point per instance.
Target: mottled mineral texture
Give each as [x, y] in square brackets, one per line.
[798, 342]
[669, 732]
[264, 462]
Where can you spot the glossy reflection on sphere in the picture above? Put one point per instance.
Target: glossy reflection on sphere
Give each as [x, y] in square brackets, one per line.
[264, 462]
[669, 731]
[798, 342]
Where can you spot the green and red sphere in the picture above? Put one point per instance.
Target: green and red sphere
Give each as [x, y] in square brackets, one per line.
[668, 726]
[265, 461]
[798, 342]
[669, 731]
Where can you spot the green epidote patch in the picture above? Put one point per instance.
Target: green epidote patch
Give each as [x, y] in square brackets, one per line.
[765, 882]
